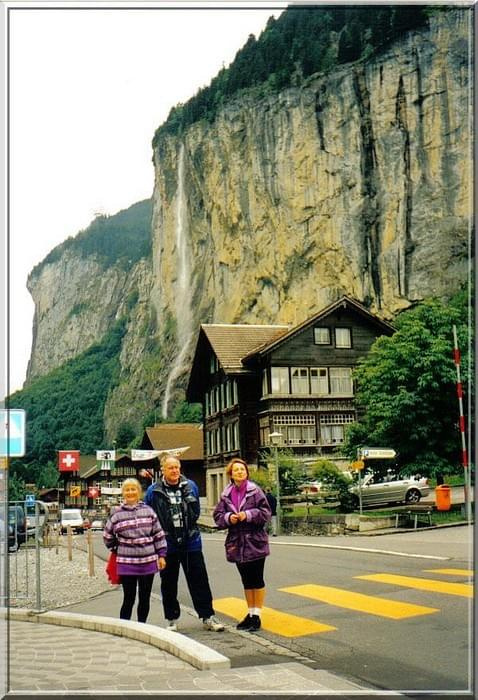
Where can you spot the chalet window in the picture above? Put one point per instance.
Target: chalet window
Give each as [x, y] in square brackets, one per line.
[341, 380]
[265, 383]
[212, 364]
[264, 430]
[228, 394]
[223, 396]
[300, 380]
[332, 427]
[343, 338]
[98, 501]
[319, 380]
[322, 336]
[217, 391]
[235, 399]
[280, 380]
[296, 429]
[206, 408]
[212, 398]
[235, 442]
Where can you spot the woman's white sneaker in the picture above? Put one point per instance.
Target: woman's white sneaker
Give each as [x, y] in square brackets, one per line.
[213, 624]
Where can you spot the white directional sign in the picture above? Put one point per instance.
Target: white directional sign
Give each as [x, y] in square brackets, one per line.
[377, 453]
[12, 432]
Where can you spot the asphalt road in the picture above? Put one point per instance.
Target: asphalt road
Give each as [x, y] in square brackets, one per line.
[428, 651]
[422, 648]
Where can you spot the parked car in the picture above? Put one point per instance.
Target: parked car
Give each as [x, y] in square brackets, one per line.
[97, 525]
[380, 489]
[17, 527]
[318, 491]
[72, 517]
[311, 488]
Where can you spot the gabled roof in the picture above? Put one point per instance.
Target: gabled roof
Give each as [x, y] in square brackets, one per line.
[166, 436]
[343, 302]
[231, 342]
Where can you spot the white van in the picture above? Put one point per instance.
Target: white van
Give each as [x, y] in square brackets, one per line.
[73, 518]
[43, 512]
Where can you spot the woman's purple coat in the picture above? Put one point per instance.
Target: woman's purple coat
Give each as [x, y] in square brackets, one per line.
[247, 540]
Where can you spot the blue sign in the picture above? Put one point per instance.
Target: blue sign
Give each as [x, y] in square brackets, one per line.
[29, 499]
[12, 432]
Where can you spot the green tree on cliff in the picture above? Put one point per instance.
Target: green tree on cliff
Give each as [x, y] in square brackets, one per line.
[407, 387]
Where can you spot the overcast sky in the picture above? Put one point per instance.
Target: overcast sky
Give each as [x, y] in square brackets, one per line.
[88, 88]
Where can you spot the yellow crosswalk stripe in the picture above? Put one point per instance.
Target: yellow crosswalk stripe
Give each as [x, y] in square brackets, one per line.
[272, 620]
[382, 607]
[422, 584]
[452, 572]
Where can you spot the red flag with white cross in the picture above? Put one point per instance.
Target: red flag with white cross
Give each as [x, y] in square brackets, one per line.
[69, 460]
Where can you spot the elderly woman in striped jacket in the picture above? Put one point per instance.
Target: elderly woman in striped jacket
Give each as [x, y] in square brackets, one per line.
[134, 532]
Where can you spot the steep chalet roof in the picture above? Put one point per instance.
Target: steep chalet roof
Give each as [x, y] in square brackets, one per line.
[231, 342]
[344, 302]
[171, 435]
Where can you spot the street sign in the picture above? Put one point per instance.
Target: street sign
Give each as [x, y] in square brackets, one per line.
[12, 432]
[377, 453]
[358, 465]
[29, 499]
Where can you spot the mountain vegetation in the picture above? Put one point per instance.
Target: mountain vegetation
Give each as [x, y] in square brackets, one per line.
[120, 239]
[300, 42]
[65, 409]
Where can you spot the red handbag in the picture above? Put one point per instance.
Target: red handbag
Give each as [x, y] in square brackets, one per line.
[112, 569]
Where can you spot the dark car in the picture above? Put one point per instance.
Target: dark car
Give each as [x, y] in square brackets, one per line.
[17, 527]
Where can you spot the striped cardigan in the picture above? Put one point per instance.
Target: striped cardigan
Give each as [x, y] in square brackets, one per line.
[138, 538]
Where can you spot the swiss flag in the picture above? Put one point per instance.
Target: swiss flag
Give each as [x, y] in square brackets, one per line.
[69, 460]
[93, 491]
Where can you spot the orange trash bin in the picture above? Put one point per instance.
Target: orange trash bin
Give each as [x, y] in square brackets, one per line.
[443, 497]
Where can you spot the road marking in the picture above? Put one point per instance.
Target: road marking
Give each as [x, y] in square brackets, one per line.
[423, 584]
[373, 605]
[272, 620]
[349, 548]
[452, 572]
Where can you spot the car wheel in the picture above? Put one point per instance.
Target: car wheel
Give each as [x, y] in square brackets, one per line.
[413, 496]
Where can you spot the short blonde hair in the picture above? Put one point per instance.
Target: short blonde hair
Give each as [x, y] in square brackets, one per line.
[132, 482]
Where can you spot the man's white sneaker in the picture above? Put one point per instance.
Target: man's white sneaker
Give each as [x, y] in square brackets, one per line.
[172, 626]
[213, 624]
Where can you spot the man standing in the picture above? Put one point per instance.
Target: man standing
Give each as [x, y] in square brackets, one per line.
[272, 501]
[175, 500]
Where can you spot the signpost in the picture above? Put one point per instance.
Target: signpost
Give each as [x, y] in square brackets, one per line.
[376, 453]
[12, 432]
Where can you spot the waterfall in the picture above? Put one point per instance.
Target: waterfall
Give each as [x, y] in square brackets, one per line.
[182, 286]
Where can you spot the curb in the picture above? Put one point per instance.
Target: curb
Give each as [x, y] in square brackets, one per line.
[194, 653]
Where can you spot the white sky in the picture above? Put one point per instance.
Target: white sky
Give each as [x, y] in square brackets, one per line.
[88, 88]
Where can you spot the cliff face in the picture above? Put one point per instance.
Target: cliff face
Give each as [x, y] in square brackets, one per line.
[357, 181]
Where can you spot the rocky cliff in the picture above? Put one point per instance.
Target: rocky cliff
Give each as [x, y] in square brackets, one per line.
[357, 181]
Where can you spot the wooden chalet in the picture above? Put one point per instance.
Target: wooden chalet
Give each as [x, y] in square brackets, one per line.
[254, 380]
[169, 436]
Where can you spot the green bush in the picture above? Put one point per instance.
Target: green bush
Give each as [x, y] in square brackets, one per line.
[334, 479]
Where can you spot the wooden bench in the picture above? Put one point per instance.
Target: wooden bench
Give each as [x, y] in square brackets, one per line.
[415, 513]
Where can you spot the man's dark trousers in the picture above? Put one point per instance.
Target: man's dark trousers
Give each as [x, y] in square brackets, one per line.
[196, 577]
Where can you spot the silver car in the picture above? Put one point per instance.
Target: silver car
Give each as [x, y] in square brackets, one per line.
[379, 489]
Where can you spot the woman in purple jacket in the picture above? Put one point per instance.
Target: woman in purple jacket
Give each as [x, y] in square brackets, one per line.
[243, 509]
[134, 532]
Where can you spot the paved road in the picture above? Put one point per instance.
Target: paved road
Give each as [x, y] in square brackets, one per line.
[343, 637]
